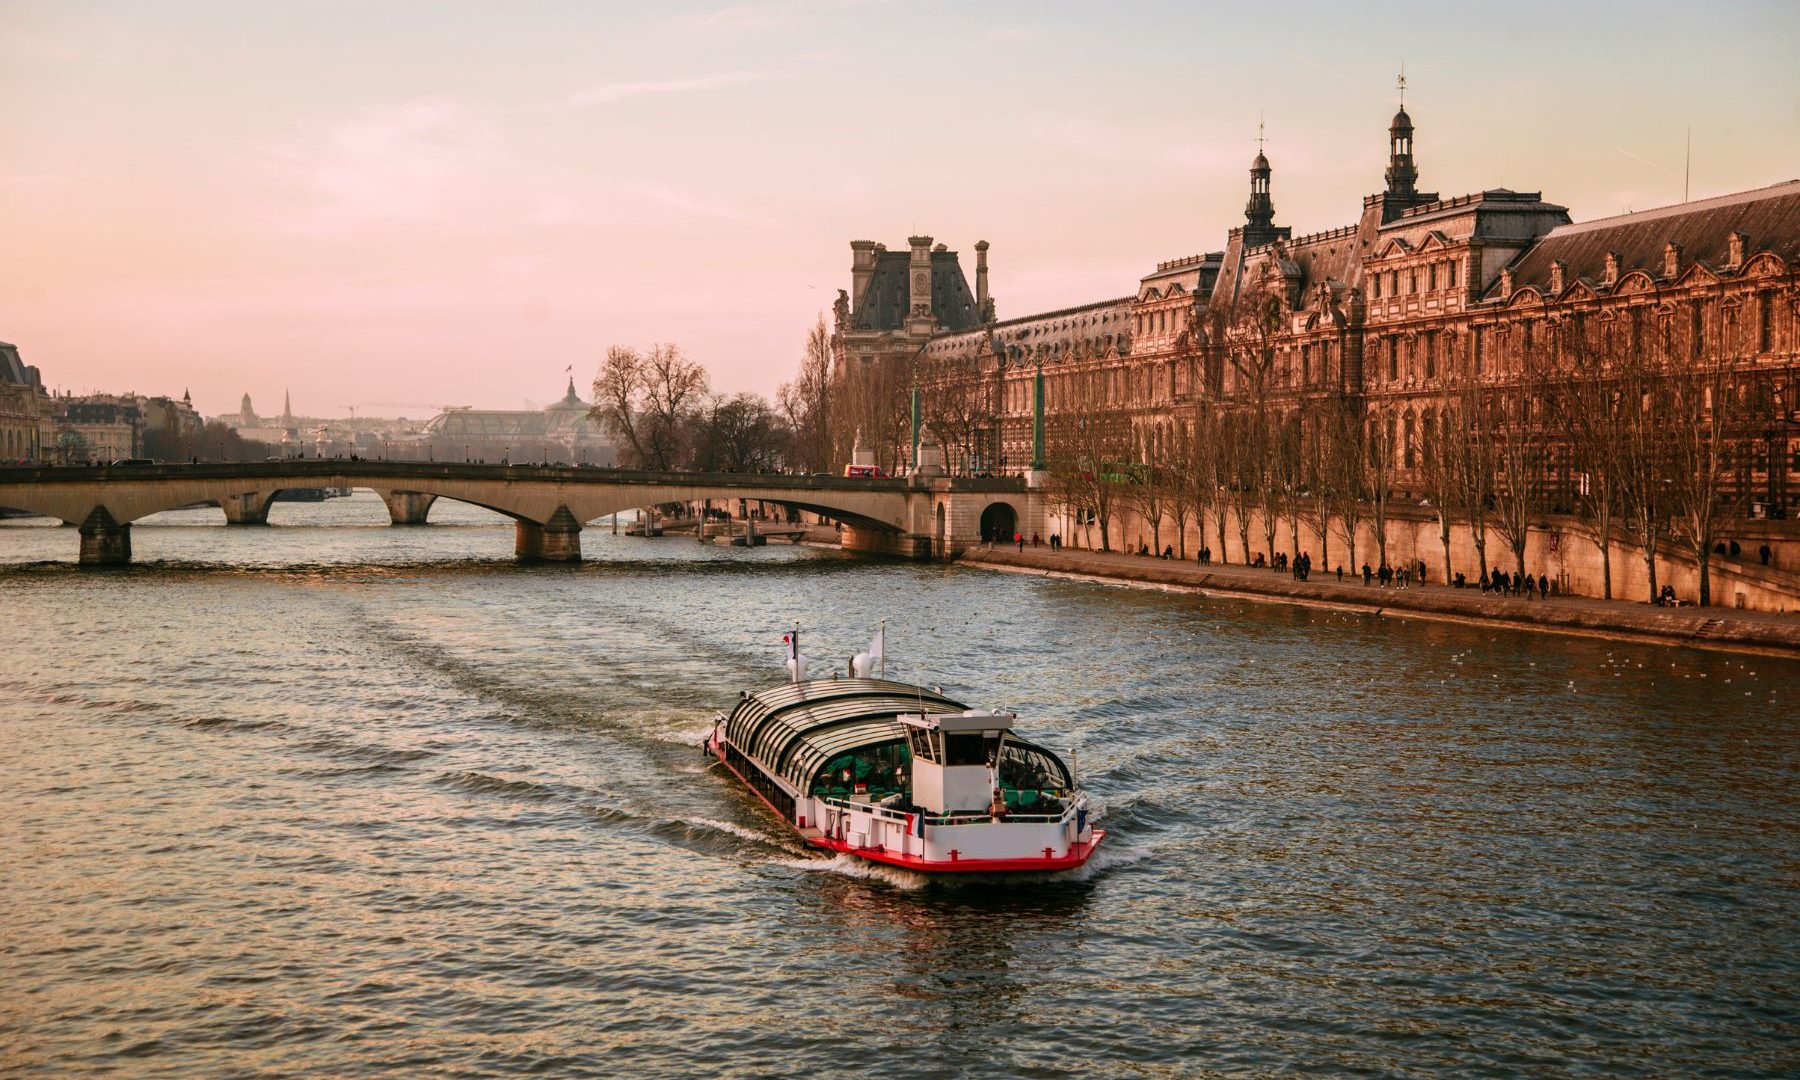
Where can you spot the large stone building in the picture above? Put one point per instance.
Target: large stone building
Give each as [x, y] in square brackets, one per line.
[24, 409]
[1382, 319]
[561, 431]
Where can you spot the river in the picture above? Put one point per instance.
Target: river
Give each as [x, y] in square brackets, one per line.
[336, 798]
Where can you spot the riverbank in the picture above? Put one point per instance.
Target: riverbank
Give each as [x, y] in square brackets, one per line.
[1709, 628]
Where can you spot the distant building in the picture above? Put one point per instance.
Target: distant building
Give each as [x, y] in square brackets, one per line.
[24, 408]
[98, 428]
[562, 431]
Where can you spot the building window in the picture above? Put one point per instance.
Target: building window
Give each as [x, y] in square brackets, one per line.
[1696, 329]
[1431, 277]
[1431, 355]
[1393, 358]
[1765, 320]
[1378, 286]
[1477, 341]
[1412, 281]
[1452, 268]
[1393, 283]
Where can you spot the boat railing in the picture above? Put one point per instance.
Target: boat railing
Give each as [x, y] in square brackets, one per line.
[972, 817]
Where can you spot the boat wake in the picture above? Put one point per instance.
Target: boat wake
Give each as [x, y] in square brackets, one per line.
[852, 867]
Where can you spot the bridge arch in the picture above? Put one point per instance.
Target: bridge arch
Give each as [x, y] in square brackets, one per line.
[999, 521]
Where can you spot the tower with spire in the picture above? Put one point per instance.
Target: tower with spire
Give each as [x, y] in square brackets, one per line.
[1402, 171]
[1259, 212]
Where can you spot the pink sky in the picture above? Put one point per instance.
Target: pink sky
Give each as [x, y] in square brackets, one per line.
[401, 206]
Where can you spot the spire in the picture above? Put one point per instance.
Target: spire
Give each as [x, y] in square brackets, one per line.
[1259, 212]
[287, 407]
[1402, 173]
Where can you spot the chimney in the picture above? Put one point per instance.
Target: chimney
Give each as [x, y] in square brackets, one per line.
[1610, 276]
[1671, 259]
[982, 306]
[862, 268]
[1556, 277]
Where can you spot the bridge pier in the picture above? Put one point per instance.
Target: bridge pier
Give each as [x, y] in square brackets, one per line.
[407, 507]
[250, 508]
[104, 542]
[556, 540]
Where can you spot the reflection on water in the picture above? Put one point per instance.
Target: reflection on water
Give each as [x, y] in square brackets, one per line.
[338, 797]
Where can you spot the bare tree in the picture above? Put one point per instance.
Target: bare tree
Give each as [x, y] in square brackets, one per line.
[618, 401]
[1321, 444]
[1438, 460]
[740, 434]
[960, 404]
[1700, 405]
[1593, 406]
[1517, 416]
[1181, 464]
[806, 404]
[1087, 444]
[1377, 479]
[1348, 470]
[1472, 442]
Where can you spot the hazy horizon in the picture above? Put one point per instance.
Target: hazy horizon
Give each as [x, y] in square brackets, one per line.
[415, 205]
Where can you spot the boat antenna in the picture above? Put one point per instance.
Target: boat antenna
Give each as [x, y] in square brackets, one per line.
[884, 648]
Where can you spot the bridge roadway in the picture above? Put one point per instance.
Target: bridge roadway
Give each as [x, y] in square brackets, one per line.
[923, 517]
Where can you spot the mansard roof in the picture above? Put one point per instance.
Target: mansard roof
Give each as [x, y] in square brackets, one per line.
[1769, 217]
[886, 300]
[1097, 326]
[12, 369]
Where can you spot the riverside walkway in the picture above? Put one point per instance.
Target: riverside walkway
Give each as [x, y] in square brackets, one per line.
[1769, 633]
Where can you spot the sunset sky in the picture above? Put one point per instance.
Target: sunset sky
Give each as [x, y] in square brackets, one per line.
[399, 206]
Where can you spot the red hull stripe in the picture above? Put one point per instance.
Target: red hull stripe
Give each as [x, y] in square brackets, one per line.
[1078, 854]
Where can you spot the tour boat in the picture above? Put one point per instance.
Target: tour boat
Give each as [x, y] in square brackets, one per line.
[902, 775]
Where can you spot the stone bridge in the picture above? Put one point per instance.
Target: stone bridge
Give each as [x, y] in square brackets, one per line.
[925, 517]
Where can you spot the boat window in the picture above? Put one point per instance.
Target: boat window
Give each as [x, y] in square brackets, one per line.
[1026, 767]
[965, 749]
[877, 771]
[920, 739]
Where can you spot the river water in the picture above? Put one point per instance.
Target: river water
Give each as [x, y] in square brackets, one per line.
[337, 798]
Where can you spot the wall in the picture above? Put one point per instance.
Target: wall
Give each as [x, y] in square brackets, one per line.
[1562, 551]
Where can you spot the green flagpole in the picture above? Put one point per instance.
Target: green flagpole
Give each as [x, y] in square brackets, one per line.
[1037, 419]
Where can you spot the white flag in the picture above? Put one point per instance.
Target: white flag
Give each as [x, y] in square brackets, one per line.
[877, 643]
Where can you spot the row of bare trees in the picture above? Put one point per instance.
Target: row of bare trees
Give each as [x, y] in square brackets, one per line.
[660, 411]
[1594, 418]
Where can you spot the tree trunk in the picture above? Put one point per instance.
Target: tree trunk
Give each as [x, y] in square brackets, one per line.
[1444, 535]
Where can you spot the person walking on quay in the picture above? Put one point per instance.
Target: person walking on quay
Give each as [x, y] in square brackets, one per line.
[1365, 575]
[1340, 573]
[1020, 537]
[1530, 587]
[1764, 553]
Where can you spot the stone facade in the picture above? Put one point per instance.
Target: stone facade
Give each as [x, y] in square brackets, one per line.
[24, 409]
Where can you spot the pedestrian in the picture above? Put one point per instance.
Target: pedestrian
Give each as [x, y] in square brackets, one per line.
[1530, 587]
[1366, 575]
[1020, 538]
[1543, 587]
[1764, 553]
[1340, 573]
